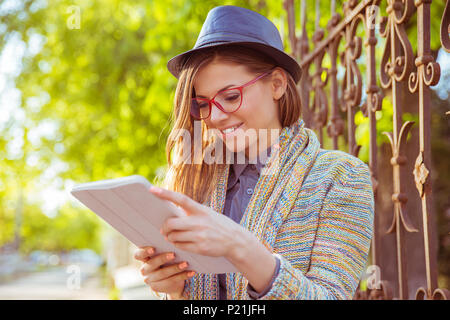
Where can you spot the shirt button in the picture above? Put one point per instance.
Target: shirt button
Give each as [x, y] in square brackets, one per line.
[249, 191]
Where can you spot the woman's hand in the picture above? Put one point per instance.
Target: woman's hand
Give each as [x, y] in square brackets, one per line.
[209, 233]
[202, 230]
[168, 279]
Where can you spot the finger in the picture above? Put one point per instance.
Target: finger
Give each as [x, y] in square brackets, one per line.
[179, 223]
[166, 272]
[181, 236]
[157, 261]
[187, 246]
[178, 198]
[161, 285]
[143, 253]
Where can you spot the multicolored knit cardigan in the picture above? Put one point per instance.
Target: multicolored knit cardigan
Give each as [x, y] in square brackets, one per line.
[314, 211]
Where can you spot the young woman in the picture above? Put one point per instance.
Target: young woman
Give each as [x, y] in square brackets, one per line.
[297, 226]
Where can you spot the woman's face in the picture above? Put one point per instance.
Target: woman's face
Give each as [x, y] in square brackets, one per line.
[257, 118]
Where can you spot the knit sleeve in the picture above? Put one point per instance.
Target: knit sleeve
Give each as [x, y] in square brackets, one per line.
[341, 245]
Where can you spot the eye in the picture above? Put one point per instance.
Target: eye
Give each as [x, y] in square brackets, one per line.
[199, 103]
[232, 97]
[202, 105]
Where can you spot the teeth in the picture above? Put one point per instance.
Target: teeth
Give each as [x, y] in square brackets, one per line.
[229, 130]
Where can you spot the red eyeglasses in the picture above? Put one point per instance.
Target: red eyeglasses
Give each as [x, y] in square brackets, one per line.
[228, 100]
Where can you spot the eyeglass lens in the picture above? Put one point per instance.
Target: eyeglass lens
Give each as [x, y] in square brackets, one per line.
[228, 100]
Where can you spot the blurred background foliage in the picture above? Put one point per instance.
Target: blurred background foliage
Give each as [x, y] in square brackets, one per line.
[93, 102]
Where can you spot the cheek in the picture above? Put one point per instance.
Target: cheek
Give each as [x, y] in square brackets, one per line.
[252, 110]
[259, 113]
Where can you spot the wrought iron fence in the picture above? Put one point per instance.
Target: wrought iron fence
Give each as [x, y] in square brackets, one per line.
[328, 99]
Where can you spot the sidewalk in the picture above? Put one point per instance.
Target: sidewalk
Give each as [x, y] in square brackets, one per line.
[55, 284]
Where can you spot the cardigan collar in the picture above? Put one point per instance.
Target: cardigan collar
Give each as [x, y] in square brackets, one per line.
[293, 140]
[284, 150]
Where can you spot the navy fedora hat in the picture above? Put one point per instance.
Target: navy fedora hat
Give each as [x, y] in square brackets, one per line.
[232, 25]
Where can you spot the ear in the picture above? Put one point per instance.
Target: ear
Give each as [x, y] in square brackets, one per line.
[279, 83]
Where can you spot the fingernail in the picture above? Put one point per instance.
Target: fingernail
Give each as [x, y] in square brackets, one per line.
[183, 265]
[150, 250]
[155, 189]
[170, 256]
[191, 273]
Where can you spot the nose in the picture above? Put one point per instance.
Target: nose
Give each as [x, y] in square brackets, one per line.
[217, 115]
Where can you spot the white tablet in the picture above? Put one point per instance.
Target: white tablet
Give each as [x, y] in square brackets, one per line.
[128, 206]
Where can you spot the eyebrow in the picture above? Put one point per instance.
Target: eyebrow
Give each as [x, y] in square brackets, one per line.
[228, 86]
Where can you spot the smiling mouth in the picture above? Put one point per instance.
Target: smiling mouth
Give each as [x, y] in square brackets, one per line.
[232, 129]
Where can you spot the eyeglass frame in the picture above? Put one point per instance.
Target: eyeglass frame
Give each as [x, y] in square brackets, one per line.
[210, 101]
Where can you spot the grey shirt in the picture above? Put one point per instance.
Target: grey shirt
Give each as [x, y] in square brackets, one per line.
[242, 180]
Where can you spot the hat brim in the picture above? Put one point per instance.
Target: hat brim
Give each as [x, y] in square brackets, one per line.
[282, 59]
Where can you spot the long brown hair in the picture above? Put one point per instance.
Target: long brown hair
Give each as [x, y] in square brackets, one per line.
[199, 180]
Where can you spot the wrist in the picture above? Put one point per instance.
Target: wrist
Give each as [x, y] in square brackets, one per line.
[175, 296]
[179, 295]
[238, 252]
[246, 251]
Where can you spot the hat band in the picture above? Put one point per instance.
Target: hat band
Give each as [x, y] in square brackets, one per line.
[233, 37]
